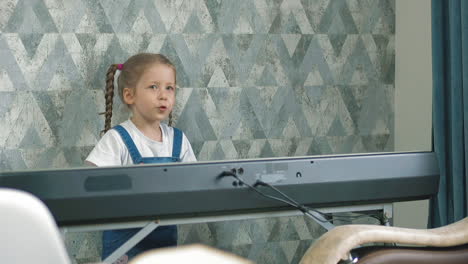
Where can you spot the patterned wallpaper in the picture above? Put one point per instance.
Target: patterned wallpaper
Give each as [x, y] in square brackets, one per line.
[257, 78]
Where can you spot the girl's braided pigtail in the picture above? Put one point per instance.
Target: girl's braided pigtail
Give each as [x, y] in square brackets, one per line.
[109, 96]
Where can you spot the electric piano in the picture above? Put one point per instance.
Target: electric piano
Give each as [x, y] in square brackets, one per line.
[94, 195]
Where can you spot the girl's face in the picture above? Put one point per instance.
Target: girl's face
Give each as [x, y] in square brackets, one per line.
[154, 95]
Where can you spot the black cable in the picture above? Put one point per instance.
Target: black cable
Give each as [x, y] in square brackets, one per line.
[259, 182]
[301, 208]
[256, 190]
[304, 209]
[335, 216]
[324, 215]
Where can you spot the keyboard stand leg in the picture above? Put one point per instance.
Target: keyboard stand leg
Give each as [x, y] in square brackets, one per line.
[388, 214]
[140, 235]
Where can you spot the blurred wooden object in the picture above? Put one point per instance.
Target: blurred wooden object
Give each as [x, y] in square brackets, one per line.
[336, 244]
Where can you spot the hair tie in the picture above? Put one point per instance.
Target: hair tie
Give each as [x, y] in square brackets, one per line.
[120, 66]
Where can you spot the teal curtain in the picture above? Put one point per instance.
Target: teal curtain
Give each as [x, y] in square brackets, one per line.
[450, 109]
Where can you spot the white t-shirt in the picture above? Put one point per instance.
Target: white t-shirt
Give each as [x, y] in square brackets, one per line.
[112, 151]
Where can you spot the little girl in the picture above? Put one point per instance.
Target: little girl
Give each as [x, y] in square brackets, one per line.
[147, 85]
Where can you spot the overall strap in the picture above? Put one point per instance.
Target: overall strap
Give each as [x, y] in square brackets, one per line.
[177, 143]
[132, 149]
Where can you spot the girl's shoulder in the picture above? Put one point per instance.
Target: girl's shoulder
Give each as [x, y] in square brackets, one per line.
[169, 129]
[169, 132]
[128, 125]
[111, 136]
[115, 135]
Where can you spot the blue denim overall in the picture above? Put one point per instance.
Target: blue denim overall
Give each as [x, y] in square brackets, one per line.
[163, 236]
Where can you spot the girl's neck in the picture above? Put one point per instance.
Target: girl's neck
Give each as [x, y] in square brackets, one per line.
[150, 130]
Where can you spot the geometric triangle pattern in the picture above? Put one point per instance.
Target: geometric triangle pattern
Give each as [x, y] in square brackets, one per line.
[256, 79]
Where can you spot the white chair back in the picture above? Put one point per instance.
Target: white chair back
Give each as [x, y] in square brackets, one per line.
[28, 232]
